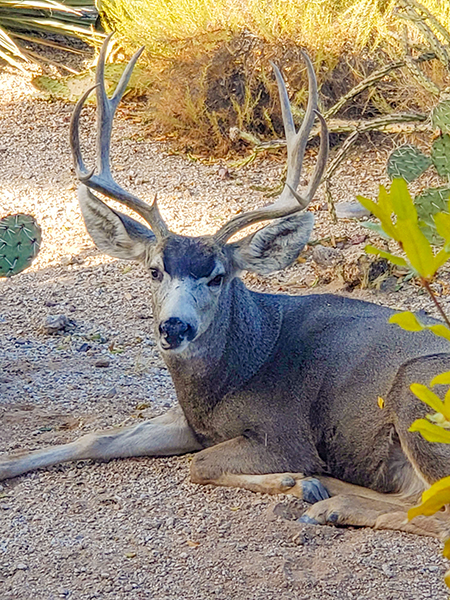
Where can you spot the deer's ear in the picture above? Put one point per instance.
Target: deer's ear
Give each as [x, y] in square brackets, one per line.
[114, 234]
[275, 246]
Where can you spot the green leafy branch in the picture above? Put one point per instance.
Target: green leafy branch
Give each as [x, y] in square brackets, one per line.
[399, 221]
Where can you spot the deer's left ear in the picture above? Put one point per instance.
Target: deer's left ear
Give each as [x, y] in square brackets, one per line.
[275, 246]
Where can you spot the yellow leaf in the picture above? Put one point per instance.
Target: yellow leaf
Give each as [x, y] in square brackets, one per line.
[442, 221]
[417, 248]
[441, 379]
[430, 398]
[446, 552]
[396, 260]
[441, 257]
[193, 544]
[380, 402]
[440, 330]
[439, 419]
[431, 432]
[406, 320]
[438, 486]
[130, 554]
[447, 579]
[401, 200]
[432, 505]
[382, 210]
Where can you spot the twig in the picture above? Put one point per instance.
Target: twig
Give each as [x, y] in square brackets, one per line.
[426, 285]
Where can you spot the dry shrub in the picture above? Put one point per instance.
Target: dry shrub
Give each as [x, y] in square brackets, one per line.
[209, 61]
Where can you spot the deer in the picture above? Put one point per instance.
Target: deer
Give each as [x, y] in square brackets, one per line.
[275, 393]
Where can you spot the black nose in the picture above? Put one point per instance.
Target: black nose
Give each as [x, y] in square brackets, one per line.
[174, 331]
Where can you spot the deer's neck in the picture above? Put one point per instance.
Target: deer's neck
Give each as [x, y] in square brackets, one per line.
[234, 348]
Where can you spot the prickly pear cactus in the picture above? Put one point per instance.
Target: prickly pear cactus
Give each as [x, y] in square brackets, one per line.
[20, 239]
[428, 203]
[407, 162]
[440, 155]
[440, 116]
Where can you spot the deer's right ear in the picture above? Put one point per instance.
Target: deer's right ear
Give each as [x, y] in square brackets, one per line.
[114, 233]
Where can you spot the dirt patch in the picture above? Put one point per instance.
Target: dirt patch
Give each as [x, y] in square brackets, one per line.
[138, 529]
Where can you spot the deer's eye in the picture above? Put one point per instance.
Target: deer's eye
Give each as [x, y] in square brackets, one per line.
[156, 274]
[216, 282]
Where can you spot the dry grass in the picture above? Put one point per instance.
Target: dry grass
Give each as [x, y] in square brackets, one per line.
[208, 60]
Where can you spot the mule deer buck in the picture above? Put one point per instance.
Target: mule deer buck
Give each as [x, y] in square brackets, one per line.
[276, 393]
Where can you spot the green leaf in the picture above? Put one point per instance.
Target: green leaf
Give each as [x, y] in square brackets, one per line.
[376, 228]
[441, 379]
[430, 431]
[396, 260]
[406, 320]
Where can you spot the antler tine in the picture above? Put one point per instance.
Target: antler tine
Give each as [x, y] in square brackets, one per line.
[104, 182]
[289, 202]
[319, 168]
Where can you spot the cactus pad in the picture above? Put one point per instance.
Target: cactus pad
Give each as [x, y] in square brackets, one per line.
[440, 155]
[20, 238]
[428, 203]
[408, 162]
[440, 116]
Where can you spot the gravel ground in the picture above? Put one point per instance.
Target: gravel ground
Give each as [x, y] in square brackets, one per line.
[137, 529]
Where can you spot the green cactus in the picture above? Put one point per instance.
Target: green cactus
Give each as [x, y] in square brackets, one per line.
[440, 155]
[407, 162]
[428, 203]
[20, 239]
[440, 116]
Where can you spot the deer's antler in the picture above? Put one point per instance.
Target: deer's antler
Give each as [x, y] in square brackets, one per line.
[103, 181]
[289, 202]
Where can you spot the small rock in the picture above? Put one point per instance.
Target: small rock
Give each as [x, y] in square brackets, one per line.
[56, 323]
[389, 284]
[290, 511]
[351, 210]
[21, 567]
[223, 173]
[102, 363]
[111, 393]
[70, 259]
[326, 257]
[84, 347]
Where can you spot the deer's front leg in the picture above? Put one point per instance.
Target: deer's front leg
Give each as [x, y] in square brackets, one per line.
[244, 464]
[166, 435]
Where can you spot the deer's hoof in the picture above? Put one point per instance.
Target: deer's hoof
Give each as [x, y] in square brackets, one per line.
[314, 491]
[308, 520]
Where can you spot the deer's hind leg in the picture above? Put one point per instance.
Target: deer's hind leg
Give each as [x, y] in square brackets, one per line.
[336, 502]
[236, 463]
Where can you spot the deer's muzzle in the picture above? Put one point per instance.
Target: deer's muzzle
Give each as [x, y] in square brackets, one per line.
[174, 332]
